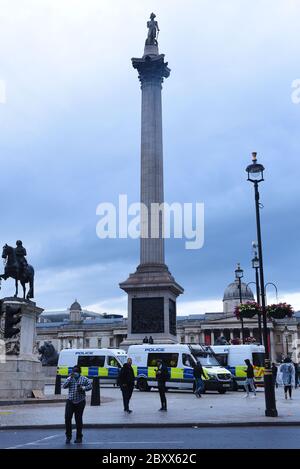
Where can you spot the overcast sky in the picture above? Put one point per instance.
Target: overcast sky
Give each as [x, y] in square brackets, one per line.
[70, 136]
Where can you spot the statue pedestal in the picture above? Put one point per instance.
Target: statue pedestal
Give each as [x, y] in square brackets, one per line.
[20, 369]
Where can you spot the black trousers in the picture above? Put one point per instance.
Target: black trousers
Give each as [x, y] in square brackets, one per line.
[76, 409]
[126, 393]
[288, 388]
[162, 394]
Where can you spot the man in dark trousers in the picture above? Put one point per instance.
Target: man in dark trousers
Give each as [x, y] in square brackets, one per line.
[162, 375]
[77, 386]
[198, 374]
[126, 383]
[249, 382]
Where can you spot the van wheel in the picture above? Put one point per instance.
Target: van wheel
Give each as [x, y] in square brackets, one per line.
[142, 385]
[221, 391]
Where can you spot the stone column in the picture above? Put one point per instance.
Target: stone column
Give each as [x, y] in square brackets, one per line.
[152, 290]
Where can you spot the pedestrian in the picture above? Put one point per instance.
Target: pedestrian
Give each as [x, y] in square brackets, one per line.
[150, 339]
[162, 375]
[77, 386]
[198, 373]
[126, 383]
[296, 374]
[274, 375]
[250, 379]
[145, 340]
[286, 376]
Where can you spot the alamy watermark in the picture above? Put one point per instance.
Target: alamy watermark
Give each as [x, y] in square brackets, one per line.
[137, 220]
[295, 96]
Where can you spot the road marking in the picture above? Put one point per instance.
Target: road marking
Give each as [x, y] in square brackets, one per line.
[36, 442]
[134, 442]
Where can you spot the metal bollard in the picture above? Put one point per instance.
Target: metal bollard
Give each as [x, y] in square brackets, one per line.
[95, 398]
[57, 384]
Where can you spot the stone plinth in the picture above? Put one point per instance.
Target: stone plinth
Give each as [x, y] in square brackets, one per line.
[20, 369]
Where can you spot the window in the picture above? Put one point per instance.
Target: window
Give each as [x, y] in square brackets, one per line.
[187, 360]
[87, 343]
[111, 341]
[99, 343]
[91, 360]
[222, 358]
[113, 362]
[169, 359]
[192, 338]
[182, 339]
[278, 339]
[258, 359]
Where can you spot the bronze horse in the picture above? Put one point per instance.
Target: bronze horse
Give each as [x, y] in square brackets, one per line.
[22, 274]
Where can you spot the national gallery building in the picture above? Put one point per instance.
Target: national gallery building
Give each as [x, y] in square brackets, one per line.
[79, 328]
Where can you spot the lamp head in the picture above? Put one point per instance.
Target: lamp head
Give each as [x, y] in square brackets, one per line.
[255, 170]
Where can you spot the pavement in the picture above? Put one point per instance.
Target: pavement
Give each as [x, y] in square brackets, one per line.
[184, 409]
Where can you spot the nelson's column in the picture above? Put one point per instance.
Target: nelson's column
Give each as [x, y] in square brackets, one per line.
[152, 290]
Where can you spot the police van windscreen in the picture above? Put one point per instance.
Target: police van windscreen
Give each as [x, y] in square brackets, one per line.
[206, 359]
[258, 359]
[122, 358]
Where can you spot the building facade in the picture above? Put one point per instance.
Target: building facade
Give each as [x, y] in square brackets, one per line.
[79, 328]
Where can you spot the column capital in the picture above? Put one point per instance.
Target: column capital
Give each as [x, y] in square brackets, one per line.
[151, 69]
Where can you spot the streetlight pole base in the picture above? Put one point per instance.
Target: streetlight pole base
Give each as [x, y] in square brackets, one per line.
[271, 413]
[270, 398]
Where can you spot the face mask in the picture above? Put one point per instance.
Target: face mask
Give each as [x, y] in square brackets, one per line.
[76, 375]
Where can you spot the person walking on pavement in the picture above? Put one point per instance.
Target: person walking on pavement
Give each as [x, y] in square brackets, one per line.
[274, 375]
[286, 376]
[198, 373]
[250, 379]
[126, 383]
[77, 386]
[162, 375]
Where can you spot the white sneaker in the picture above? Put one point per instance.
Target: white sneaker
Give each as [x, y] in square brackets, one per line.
[247, 395]
[253, 397]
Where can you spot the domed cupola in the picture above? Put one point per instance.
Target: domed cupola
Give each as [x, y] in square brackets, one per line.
[231, 296]
[75, 312]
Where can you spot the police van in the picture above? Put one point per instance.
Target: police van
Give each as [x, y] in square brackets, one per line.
[233, 358]
[104, 362]
[179, 359]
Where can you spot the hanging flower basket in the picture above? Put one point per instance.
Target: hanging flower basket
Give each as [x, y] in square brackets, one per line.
[247, 310]
[250, 340]
[280, 311]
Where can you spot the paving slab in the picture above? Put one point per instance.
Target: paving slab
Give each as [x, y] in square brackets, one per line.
[184, 409]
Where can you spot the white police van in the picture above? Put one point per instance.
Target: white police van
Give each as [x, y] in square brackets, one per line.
[233, 358]
[104, 363]
[179, 359]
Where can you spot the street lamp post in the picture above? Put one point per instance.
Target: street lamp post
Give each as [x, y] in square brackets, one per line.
[255, 265]
[286, 334]
[239, 273]
[256, 175]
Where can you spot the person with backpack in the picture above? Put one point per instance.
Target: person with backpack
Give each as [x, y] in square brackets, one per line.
[198, 373]
[250, 379]
[162, 375]
[286, 376]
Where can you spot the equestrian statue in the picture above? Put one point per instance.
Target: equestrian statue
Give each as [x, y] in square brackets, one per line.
[16, 267]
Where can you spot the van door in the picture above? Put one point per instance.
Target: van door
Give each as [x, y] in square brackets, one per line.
[113, 366]
[171, 361]
[92, 365]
